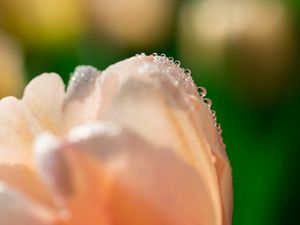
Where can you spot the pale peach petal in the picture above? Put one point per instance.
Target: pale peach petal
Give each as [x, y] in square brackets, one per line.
[51, 166]
[132, 181]
[24, 179]
[44, 96]
[83, 97]
[159, 100]
[16, 209]
[17, 130]
[75, 188]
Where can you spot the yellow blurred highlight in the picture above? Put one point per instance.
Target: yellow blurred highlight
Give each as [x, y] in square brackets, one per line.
[42, 22]
[11, 67]
[134, 23]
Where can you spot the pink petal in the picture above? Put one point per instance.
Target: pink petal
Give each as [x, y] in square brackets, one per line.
[17, 131]
[44, 96]
[16, 209]
[127, 180]
[159, 101]
[83, 97]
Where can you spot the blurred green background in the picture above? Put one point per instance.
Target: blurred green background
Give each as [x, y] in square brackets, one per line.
[245, 52]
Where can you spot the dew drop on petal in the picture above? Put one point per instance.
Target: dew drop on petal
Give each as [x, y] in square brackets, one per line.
[213, 112]
[202, 91]
[188, 72]
[219, 128]
[171, 59]
[177, 62]
[208, 102]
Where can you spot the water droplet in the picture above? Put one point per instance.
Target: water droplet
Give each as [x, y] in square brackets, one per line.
[171, 59]
[202, 91]
[178, 63]
[188, 72]
[219, 128]
[208, 102]
[143, 54]
[163, 55]
[213, 112]
[154, 54]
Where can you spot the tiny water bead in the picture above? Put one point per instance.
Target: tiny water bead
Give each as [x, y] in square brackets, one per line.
[208, 102]
[202, 91]
[188, 73]
[219, 128]
[171, 59]
[177, 62]
[213, 112]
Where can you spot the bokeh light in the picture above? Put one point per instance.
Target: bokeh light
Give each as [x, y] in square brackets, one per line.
[11, 64]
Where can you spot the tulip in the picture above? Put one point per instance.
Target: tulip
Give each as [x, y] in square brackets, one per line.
[134, 144]
[11, 66]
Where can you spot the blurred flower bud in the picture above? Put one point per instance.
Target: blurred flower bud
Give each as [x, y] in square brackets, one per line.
[135, 23]
[42, 23]
[11, 68]
[253, 39]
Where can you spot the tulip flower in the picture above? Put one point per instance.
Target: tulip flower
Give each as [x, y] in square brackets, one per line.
[11, 67]
[135, 144]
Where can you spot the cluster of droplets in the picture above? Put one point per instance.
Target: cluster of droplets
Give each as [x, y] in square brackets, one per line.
[83, 75]
[188, 76]
[203, 92]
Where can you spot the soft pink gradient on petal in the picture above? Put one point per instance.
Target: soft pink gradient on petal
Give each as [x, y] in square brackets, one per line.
[132, 181]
